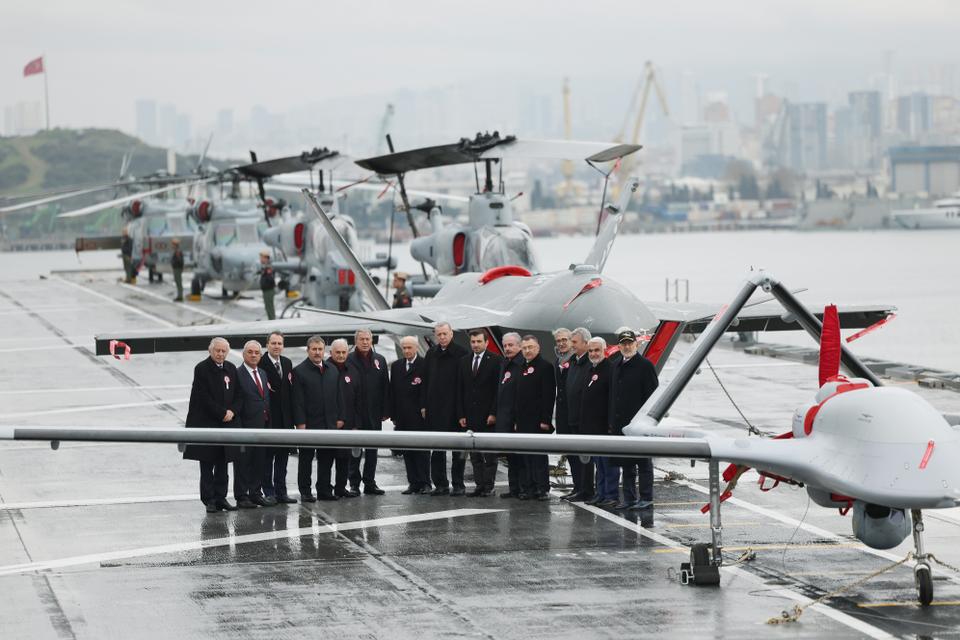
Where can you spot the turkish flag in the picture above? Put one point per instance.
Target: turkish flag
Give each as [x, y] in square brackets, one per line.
[33, 67]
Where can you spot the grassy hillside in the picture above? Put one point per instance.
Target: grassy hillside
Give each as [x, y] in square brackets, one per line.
[52, 160]
[68, 157]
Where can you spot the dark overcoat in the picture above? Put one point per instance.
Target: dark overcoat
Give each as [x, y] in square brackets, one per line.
[406, 390]
[281, 392]
[439, 395]
[477, 394]
[374, 385]
[595, 399]
[316, 396]
[507, 394]
[536, 393]
[214, 391]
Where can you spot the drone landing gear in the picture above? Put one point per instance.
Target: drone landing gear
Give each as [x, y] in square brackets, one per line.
[706, 559]
[922, 574]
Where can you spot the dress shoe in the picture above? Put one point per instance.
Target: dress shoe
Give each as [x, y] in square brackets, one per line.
[458, 492]
[476, 493]
[327, 496]
[373, 490]
[347, 493]
[594, 500]
[409, 490]
[355, 489]
[286, 500]
[270, 501]
[570, 496]
[582, 498]
[212, 507]
[642, 504]
[440, 491]
[226, 506]
[486, 494]
[522, 496]
[307, 497]
[260, 501]
[542, 497]
[507, 494]
[603, 504]
[246, 504]
[621, 506]
[425, 490]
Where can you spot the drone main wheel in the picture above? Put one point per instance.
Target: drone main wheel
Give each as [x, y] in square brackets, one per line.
[924, 579]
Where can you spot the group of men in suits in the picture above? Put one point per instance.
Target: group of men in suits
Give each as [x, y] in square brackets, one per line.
[600, 395]
[348, 390]
[451, 388]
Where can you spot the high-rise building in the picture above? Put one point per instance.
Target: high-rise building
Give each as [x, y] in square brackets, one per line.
[167, 124]
[914, 115]
[865, 129]
[146, 124]
[805, 147]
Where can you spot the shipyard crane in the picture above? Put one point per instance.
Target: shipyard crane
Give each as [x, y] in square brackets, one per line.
[641, 93]
[568, 189]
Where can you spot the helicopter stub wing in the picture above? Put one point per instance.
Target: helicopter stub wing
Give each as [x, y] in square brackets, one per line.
[97, 243]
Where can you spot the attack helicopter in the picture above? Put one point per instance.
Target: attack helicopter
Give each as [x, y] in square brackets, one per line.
[491, 237]
[325, 279]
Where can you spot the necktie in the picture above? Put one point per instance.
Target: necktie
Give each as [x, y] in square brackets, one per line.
[256, 378]
[279, 368]
[408, 366]
[476, 363]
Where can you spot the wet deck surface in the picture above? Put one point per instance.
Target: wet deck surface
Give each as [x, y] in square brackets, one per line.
[103, 540]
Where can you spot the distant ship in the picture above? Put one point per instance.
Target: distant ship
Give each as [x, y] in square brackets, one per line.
[944, 214]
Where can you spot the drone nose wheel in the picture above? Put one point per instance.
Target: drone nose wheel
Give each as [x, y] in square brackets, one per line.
[922, 574]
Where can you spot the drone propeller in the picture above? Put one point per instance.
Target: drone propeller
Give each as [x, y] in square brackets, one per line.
[830, 344]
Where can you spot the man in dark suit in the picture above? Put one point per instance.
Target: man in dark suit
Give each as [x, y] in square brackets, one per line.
[477, 406]
[374, 406]
[214, 403]
[595, 419]
[439, 405]
[536, 393]
[348, 385]
[316, 405]
[633, 380]
[254, 414]
[407, 376]
[506, 421]
[279, 371]
[572, 383]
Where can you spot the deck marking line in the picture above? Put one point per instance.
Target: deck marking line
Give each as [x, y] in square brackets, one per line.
[197, 545]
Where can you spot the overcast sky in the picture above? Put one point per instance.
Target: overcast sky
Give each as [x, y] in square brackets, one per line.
[205, 55]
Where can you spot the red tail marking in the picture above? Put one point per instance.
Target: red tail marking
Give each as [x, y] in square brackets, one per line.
[926, 455]
[660, 341]
[829, 344]
[876, 325]
[498, 272]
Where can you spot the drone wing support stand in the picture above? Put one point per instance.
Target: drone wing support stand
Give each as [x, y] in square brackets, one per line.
[705, 560]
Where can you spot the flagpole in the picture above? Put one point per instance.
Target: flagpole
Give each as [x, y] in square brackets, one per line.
[46, 95]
